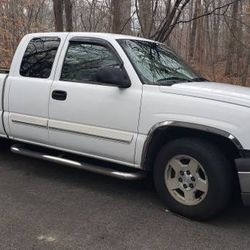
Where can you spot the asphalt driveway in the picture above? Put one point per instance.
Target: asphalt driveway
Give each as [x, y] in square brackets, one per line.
[47, 206]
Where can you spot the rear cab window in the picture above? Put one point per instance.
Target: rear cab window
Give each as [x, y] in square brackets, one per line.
[39, 57]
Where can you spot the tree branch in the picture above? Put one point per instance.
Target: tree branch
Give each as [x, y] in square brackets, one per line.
[208, 13]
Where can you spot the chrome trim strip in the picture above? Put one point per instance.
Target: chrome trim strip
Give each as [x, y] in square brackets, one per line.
[105, 133]
[77, 164]
[186, 125]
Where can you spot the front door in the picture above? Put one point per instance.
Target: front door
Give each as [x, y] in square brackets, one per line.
[90, 117]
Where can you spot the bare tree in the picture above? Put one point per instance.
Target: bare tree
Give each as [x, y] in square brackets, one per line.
[193, 31]
[170, 20]
[247, 49]
[68, 15]
[145, 9]
[121, 12]
[231, 44]
[116, 13]
[58, 13]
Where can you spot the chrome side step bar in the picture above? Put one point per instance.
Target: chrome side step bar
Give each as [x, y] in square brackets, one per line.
[20, 149]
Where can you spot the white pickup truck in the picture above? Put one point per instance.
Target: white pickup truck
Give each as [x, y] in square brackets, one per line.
[125, 106]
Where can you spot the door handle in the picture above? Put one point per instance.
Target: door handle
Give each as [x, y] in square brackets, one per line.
[59, 95]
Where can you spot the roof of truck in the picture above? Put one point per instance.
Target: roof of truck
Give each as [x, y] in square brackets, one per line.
[95, 34]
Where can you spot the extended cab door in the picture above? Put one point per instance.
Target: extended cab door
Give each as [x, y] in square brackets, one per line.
[28, 87]
[90, 117]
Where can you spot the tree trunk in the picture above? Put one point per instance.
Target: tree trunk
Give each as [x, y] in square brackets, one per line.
[199, 50]
[247, 60]
[231, 45]
[192, 37]
[216, 29]
[121, 12]
[238, 48]
[58, 14]
[68, 15]
[126, 17]
[245, 70]
[145, 14]
[116, 13]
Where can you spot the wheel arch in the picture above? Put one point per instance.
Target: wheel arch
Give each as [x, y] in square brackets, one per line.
[164, 132]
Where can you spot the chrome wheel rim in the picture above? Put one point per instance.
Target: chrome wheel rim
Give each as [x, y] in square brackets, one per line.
[186, 180]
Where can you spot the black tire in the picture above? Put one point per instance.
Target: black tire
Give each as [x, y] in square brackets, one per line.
[219, 171]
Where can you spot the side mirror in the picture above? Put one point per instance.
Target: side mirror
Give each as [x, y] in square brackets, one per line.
[113, 75]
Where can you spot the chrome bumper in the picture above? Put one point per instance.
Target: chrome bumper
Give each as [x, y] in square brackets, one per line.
[243, 167]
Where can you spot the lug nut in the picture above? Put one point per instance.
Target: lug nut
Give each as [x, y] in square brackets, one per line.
[181, 172]
[184, 185]
[192, 178]
[191, 185]
[188, 172]
[180, 179]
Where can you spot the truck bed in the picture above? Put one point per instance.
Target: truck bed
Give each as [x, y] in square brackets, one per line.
[4, 71]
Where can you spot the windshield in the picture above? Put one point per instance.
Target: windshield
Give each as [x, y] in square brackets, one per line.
[156, 64]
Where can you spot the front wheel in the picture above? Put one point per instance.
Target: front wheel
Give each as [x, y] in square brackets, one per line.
[193, 178]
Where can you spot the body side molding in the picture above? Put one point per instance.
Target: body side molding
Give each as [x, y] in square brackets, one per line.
[29, 120]
[105, 133]
[69, 127]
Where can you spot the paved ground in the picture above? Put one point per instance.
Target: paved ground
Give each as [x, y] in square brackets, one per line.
[46, 206]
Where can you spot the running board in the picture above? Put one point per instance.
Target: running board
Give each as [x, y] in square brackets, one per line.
[20, 149]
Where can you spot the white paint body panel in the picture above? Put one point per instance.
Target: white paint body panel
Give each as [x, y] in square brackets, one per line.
[213, 91]
[175, 103]
[107, 122]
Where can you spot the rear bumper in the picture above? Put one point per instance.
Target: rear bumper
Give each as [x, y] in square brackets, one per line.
[243, 168]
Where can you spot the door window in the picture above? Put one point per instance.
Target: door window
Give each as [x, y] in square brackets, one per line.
[39, 57]
[84, 60]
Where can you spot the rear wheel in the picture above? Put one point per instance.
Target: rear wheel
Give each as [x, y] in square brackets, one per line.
[193, 178]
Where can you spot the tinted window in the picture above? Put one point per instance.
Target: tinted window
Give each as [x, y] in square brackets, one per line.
[39, 57]
[157, 64]
[83, 61]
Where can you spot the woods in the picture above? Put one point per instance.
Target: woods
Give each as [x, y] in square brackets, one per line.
[213, 36]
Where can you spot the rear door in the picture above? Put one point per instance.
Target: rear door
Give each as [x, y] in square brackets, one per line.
[94, 118]
[28, 87]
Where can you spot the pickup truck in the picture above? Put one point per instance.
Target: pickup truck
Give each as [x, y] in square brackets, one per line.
[129, 107]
